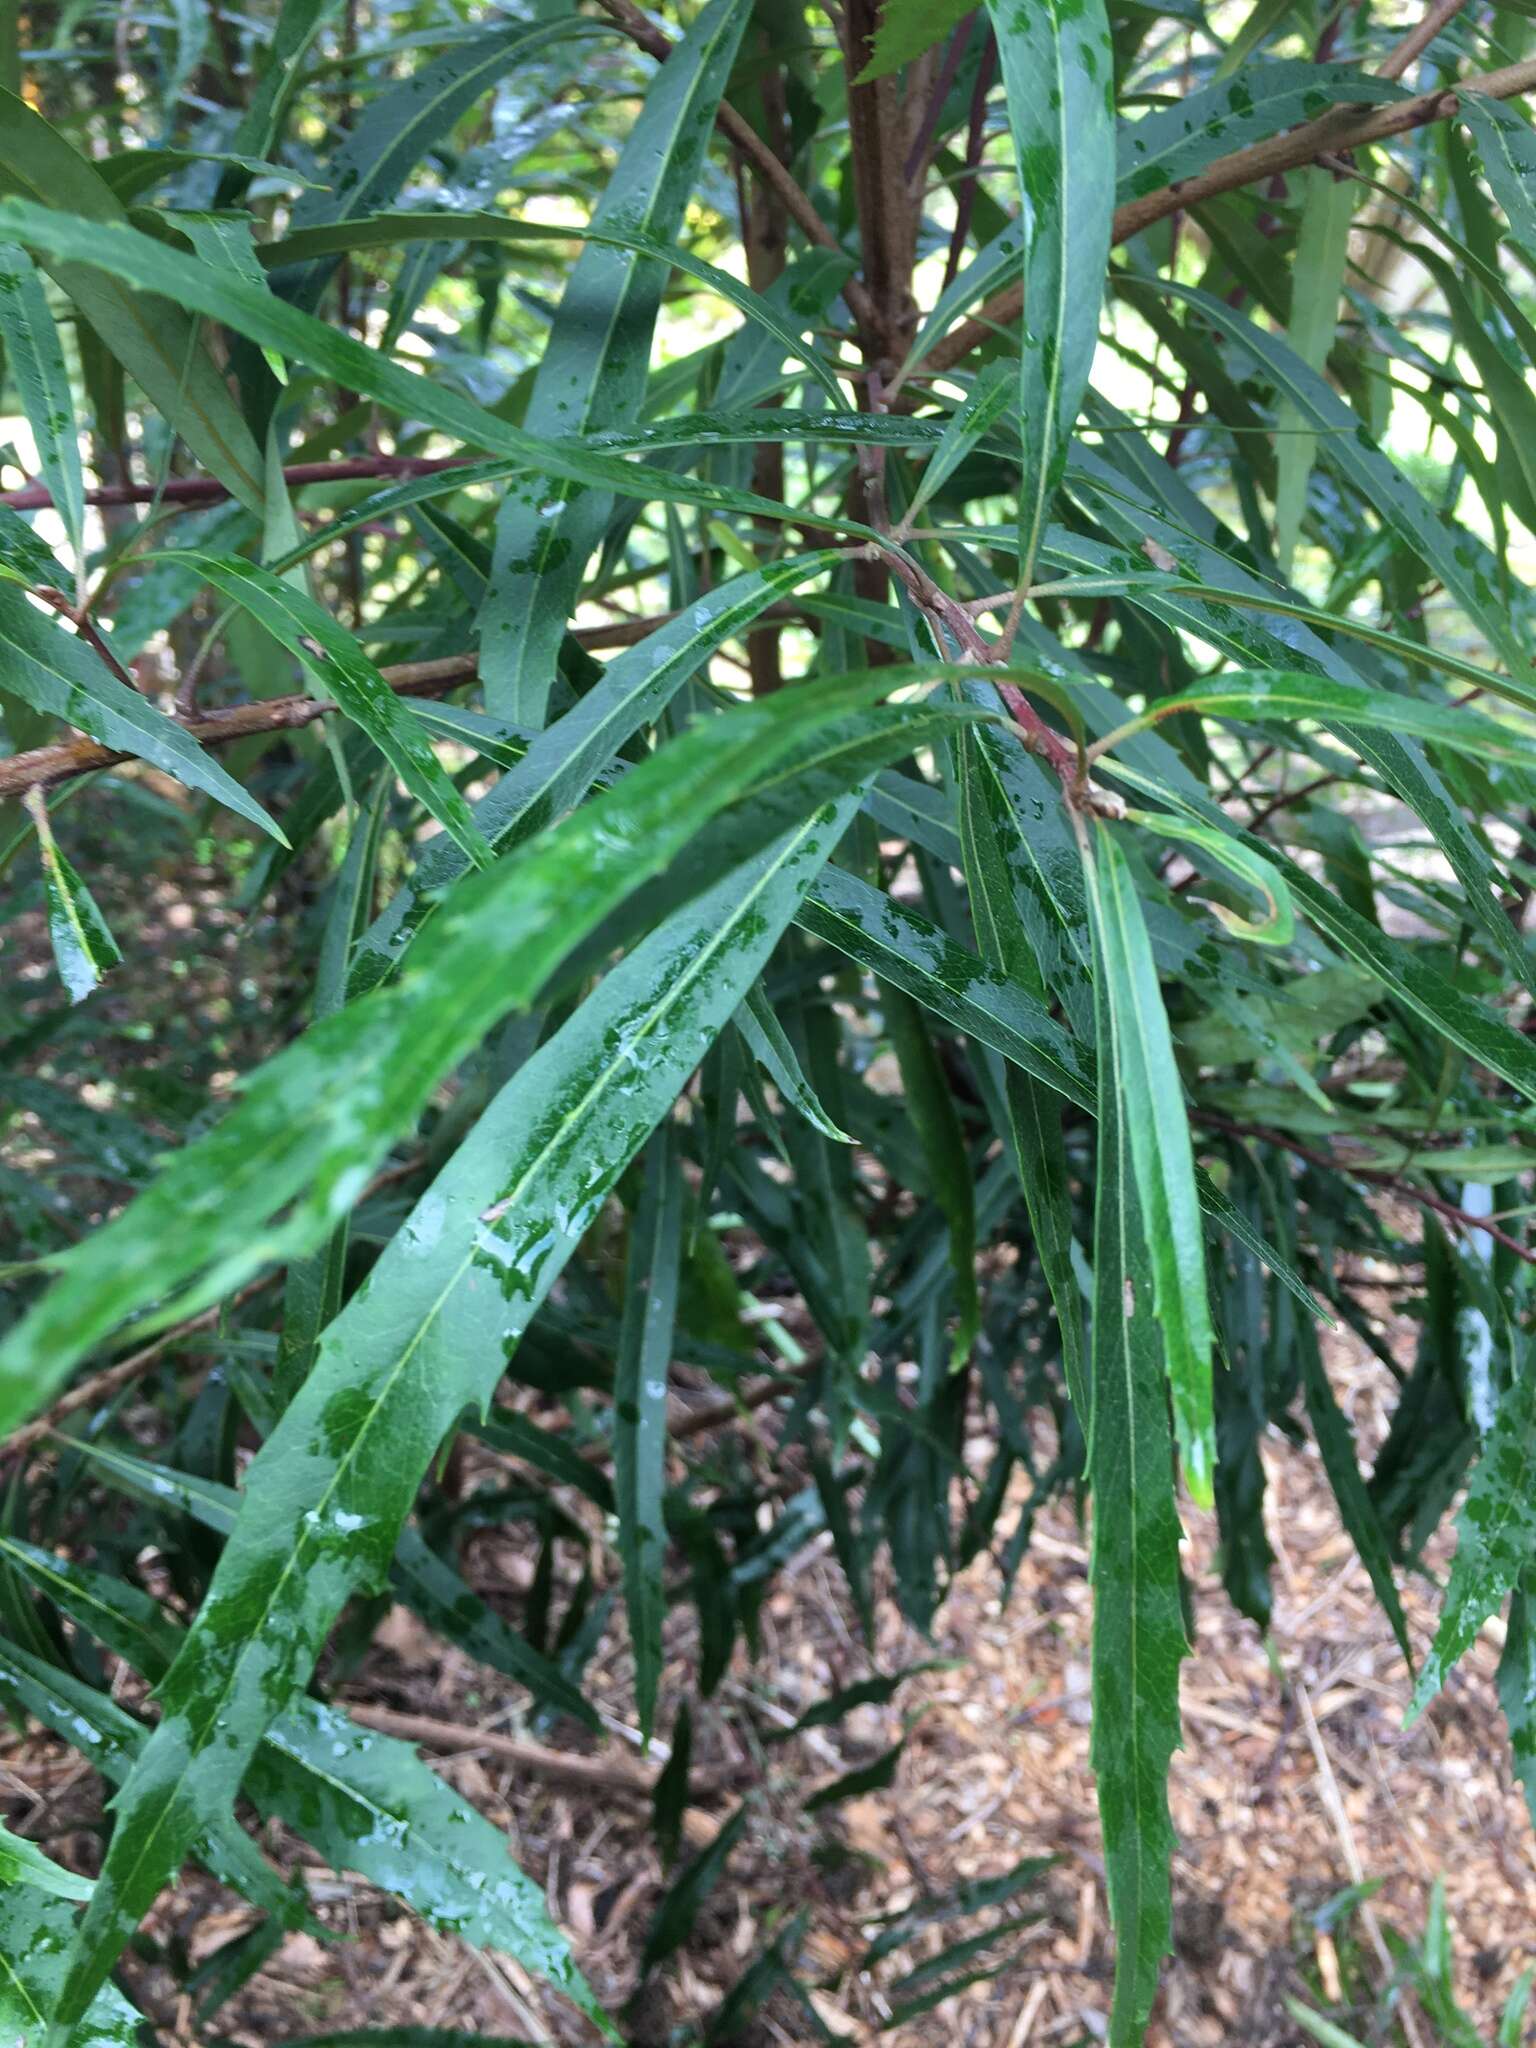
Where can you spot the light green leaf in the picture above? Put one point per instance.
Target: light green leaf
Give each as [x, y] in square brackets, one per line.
[83, 946]
[272, 1178]
[59, 674]
[22, 1862]
[151, 337]
[1317, 279]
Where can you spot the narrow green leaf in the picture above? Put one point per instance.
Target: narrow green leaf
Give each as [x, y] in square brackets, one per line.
[1317, 279]
[1138, 1623]
[430, 1587]
[1507, 146]
[1173, 142]
[83, 946]
[640, 1411]
[392, 230]
[878, 1776]
[931, 1107]
[406, 121]
[1344, 445]
[561, 764]
[997, 863]
[1059, 78]
[1281, 695]
[680, 1908]
[1149, 1097]
[669, 1801]
[368, 1803]
[771, 1048]
[593, 370]
[36, 361]
[269, 321]
[906, 950]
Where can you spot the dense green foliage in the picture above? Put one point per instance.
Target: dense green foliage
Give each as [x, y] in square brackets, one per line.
[977, 860]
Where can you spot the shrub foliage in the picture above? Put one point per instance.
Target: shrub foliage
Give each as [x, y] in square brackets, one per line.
[875, 670]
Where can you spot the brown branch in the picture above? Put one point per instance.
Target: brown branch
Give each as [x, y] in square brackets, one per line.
[1378, 1176]
[1340, 129]
[45, 766]
[200, 490]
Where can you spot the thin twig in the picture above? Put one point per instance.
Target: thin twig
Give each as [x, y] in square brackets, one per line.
[590, 1773]
[1419, 39]
[101, 1386]
[201, 490]
[1378, 1176]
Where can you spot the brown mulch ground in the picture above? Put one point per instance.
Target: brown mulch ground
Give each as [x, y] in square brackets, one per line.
[1282, 1795]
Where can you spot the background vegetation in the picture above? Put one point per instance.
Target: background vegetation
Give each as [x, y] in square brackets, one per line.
[844, 698]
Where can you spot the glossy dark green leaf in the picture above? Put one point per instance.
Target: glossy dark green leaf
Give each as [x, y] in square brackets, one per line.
[1149, 1097]
[680, 1908]
[904, 949]
[1138, 1622]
